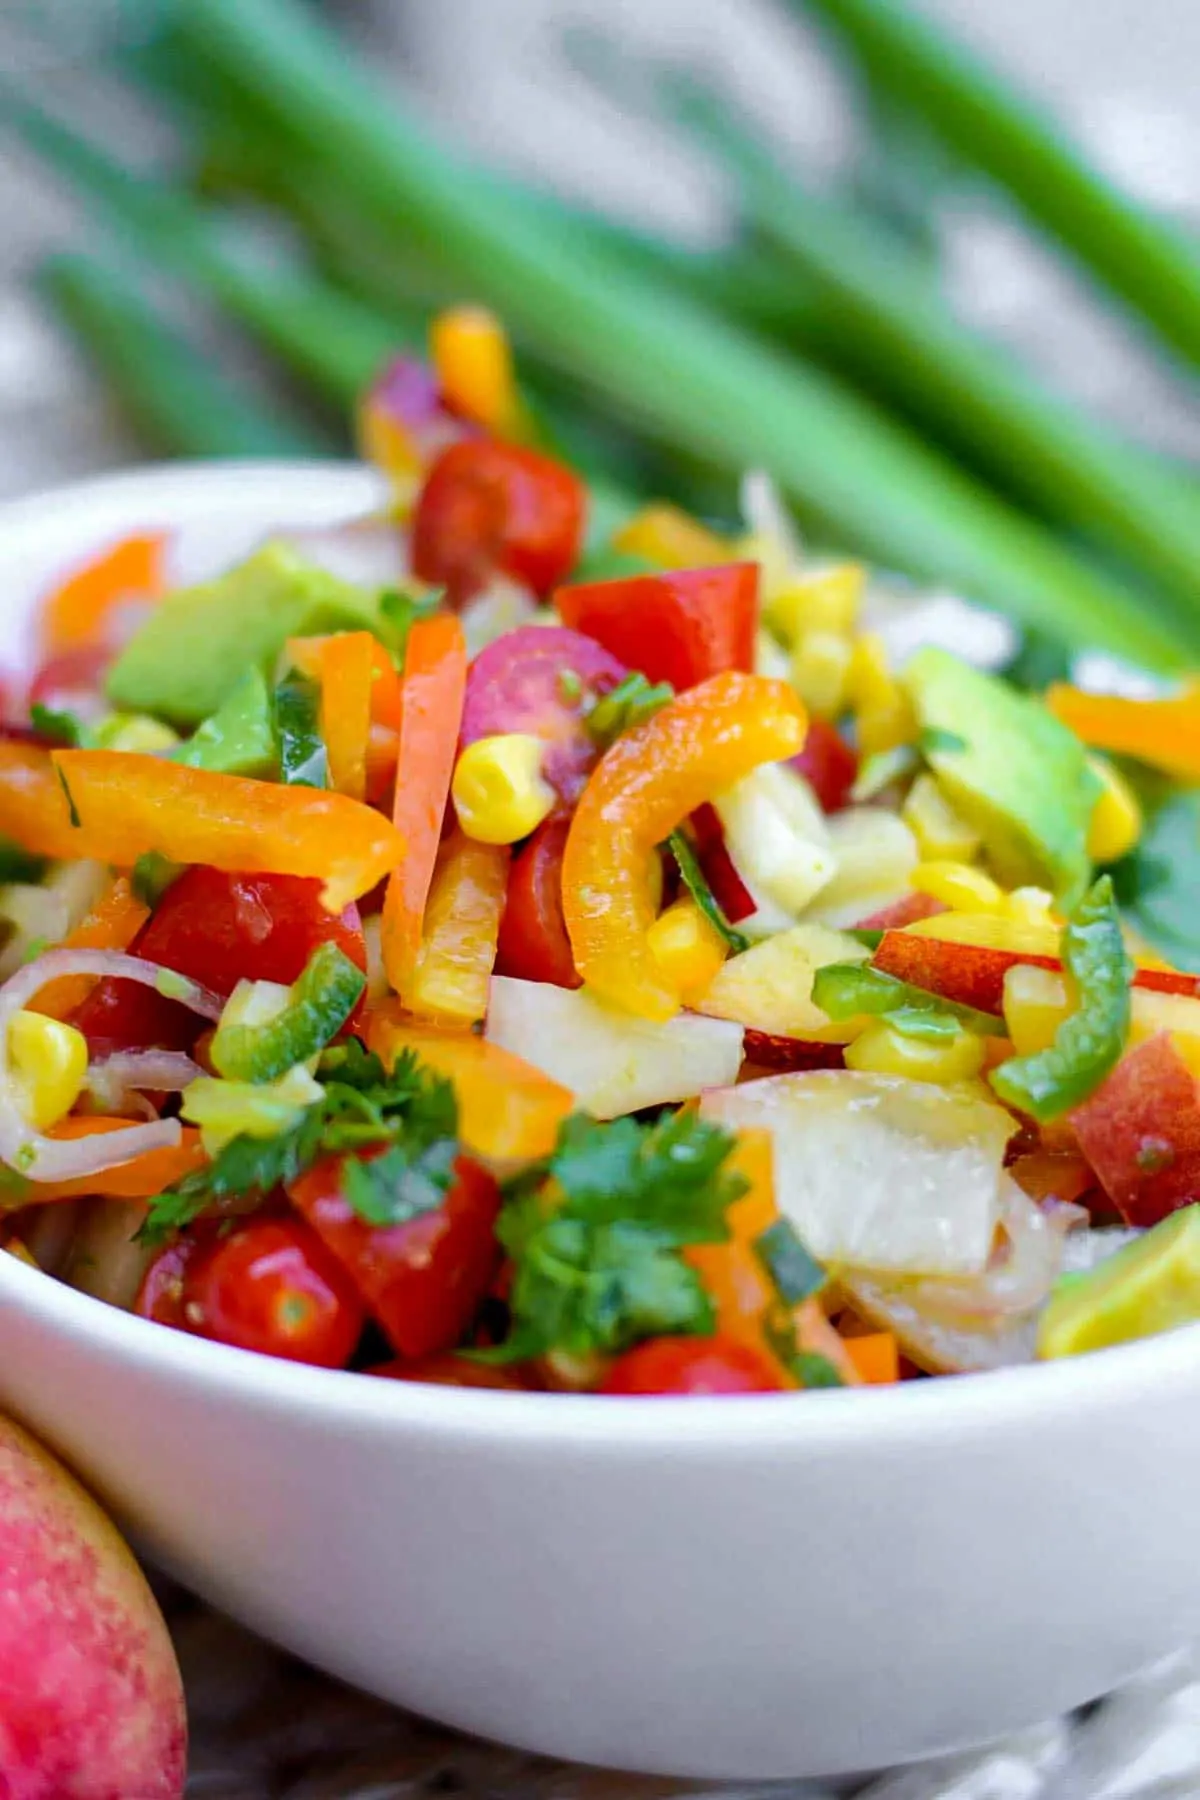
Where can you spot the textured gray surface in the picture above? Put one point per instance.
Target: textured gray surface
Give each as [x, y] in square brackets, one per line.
[264, 1728]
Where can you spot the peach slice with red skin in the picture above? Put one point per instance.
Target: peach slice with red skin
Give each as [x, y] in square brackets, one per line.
[973, 974]
[1140, 1131]
[91, 1701]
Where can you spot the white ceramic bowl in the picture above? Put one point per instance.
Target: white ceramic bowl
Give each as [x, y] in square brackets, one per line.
[739, 1588]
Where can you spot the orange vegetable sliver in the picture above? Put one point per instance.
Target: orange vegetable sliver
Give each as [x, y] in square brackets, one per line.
[112, 924]
[1164, 733]
[732, 1273]
[347, 678]
[76, 613]
[876, 1358]
[127, 805]
[431, 704]
[140, 1179]
[33, 807]
[450, 978]
[508, 1110]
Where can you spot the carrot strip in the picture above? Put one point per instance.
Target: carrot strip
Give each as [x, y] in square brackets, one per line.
[78, 610]
[431, 704]
[112, 924]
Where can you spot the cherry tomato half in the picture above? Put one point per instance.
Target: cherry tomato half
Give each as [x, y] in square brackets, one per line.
[489, 506]
[542, 679]
[219, 929]
[729, 890]
[828, 763]
[533, 942]
[689, 1365]
[681, 626]
[272, 1286]
[422, 1280]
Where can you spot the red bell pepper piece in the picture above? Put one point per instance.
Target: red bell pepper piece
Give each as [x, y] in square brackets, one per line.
[489, 507]
[828, 763]
[681, 626]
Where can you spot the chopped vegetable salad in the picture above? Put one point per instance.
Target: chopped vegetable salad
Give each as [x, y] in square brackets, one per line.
[591, 960]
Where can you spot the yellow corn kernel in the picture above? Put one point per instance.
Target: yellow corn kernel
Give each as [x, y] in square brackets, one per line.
[883, 711]
[882, 1050]
[959, 886]
[820, 666]
[688, 949]
[50, 1059]
[1117, 819]
[500, 793]
[942, 834]
[672, 538]
[1035, 1005]
[135, 731]
[823, 600]
[473, 359]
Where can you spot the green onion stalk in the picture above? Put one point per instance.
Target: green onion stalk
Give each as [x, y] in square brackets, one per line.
[676, 370]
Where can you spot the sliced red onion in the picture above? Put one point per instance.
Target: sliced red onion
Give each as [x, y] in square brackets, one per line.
[112, 1080]
[40, 1158]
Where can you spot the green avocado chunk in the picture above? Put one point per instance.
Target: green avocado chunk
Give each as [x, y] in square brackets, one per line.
[1152, 1285]
[1010, 768]
[195, 647]
[239, 738]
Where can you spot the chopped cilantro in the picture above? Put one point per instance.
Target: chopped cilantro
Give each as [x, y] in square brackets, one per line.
[631, 702]
[152, 876]
[362, 1106]
[596, 1232]
[58, 725]
[815, 1371]
[18, 865]
[400, 611]
[794, 1272]
[401, 1184]
[72, 809]
[696, 883]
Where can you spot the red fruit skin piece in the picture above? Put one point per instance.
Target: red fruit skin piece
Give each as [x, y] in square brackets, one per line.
[973, 975]
[424, 1280]
[765, 1050]
[906, 911]
[542, 680]
[681, 626]
[271, 1285]
[728, 889]
[1140, 1131]
[828, 763]
[91, 1701]
[689, 1365]
[219, 929]
[489, 507]
[533, 943]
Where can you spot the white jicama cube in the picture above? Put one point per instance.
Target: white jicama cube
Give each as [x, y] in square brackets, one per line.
[875, 854]
[769, 987]
[878, 1172]
[612, 1061]
[777, 836]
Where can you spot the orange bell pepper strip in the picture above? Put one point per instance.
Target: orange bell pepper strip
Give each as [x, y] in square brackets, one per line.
[127, 805]
[431, 704]
[1164, 733]
[642, 788]
[76, 613]
[33, 807]
[875, 1356]
[450, 979]
[112, 924]
[140, 1179]
[508, 1111]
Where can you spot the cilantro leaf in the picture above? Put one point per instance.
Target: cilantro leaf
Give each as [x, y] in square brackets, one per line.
[595, 1235]
[58, 725]
[412, 1112]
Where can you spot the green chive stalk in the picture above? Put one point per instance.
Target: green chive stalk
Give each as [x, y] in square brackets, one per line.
[675, 369]
[169, 388]
[998, 130]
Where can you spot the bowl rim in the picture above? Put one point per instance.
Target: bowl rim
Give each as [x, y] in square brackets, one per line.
[959, 1407]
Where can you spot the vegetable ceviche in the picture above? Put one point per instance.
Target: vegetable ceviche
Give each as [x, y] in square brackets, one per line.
[574, 959]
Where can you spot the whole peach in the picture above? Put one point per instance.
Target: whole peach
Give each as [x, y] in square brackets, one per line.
[91, 1702]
